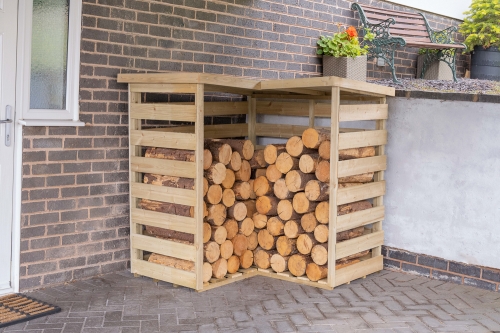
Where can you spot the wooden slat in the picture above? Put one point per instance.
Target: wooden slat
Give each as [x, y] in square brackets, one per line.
[411, 33]
[163, 88]
[358, 270]
[358, 244]
[163, 193]
[283, 108]
[163, 220]
[412, 42]
[198, 208]
[363, 112]
[409, 27]
[163, 112]
[163, 246]
[362, 165]
[362, 139]
[163, 167]
[164, 273]
[163, 139]
[290, 278]
[392, 12]
[361, 192]
[377, 17]
[360, 218]
[225, 108]
[225, 131]
[252, 119]
[379, 176]
[225, 281]
[279, 130]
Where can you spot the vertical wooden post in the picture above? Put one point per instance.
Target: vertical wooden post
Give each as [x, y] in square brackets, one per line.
[311, 113]
[198, 209]
[252, 119]
[334, 159]
[135, 177]
[379, 176]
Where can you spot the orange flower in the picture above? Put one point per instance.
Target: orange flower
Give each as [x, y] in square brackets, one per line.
[351, 31]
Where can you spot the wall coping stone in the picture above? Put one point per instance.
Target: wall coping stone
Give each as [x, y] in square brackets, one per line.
[462, 97]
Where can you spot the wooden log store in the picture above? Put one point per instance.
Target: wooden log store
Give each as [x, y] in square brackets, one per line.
[212, 204]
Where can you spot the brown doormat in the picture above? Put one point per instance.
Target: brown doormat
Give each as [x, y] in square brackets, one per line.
[16, 308]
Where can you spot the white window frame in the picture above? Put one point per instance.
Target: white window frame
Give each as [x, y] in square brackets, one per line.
[51, 117]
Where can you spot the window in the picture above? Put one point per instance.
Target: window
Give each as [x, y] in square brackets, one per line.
[51, 54]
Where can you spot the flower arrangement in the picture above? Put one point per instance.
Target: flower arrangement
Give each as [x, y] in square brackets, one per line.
[344, 43]
[482, 24]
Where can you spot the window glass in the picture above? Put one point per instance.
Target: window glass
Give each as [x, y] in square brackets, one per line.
[49, 53]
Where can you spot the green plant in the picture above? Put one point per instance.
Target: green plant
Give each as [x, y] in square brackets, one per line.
[425, 51]
[482, 24]
[344, 44]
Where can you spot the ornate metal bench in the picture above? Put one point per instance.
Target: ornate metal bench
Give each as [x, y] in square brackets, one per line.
[394, 28]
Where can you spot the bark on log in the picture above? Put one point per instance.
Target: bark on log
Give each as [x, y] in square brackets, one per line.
[207, 232]
[353, 207]
[324, 150]
[275, 226]
[211, 252]
[266, 240]
[229, 179]
[253, 196]
[219, 268]
[317, 191]
[312, 138]
[285, 163]
[279, 263]
[362, 178]
[240, 244]
[315, 272]
[297, 264]
[231, 228]
[228, 197]
[233, 264]
[319, 254]
[235, 161]
[205, 210]
[322, 212]
[226, 249]
[246, 259]
[258, 161]
[271, 152]
[214, 194]
[267, 205]
[349, 154]
[244, 172]
[342, 264]
[170, 154]
[321, 233]
[251, 207]
[305, 243]
[262, 258]
[169, 234]
[308, 222]
[238, 211]
[165, 207]
[301, 205]
[169, 181]
[185, 265]
[281, 191]
[295, 147]
[308, 163]
[259, 220]
[244, 147]
[296, 180]
[221, 152]
[219, 234]
[207, 272]
[216, 214]
[354, 256]
[252, 241]
[242, 190]
[216, 173]
[262, 186]
[322, 172]
[286, 246]
[286, 212]
[272, 173]
[349, 234]
[246, 227]
[293, 229]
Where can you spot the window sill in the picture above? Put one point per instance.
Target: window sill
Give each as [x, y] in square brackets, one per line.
[37, 122]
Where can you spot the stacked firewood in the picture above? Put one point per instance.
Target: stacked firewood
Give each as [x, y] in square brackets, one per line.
[267, 208]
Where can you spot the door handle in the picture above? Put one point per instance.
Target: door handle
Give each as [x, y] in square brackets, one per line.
[8, 124]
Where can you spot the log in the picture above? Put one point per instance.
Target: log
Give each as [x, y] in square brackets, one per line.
[207, 232]
[293, 229]
[267, 205]
[308, 222]
[266, 240]
[286, 212]
[272, 173]
[207, 159]
[219, 234]
[160, 259]
[312, 138]
[240, 244]
[349, 154]
[275, 226]
[354, 256]
[238, 211]
[214, 194]
[322, 172]
[285, 163]
[205, 186]
[226, 249]
[342, 264]
[165, 207]
[246, 227]
[319, 254]
[315, 272]
[281, 191]
[216, 214]
[296, 180]
[252, 241]
[242, 190]
[262, 258]
[169, 181]
[259, 220]
[349, 234]
[233, 264]
[305, 243]
[235, 161]
[297, 264]
[271, 152]
[205, 211]
[207, 272]
[231, 228]
[246, 259]
[279, 263]
[211, 252]
[324, 150]
[262, 186]
[216, 173]
[321, 233]
[228, 197]
[258, 161]
[308, 163]
[295, 147]
[169, 234]
[219, 268]
[301, 205]
[286, 246]
[170, 154]
[322, 212]
[251, 207]
[244, 147]
[363, 178]
[244, 172]
[221, 152]
[353, 207]
[253, 196]
[317, 191]
[260, 173]
[229, 179]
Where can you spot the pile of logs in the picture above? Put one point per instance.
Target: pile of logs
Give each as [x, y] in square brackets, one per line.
[267, 208]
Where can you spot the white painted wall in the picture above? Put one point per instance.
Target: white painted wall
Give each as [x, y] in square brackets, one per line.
[450, 8]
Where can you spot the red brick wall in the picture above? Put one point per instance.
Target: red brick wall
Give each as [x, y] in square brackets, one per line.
[75, 192]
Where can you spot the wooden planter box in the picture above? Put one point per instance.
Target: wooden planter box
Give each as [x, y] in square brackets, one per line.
[341, 100]
[346, 67]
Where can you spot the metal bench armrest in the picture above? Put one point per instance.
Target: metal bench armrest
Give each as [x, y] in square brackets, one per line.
[444, 36]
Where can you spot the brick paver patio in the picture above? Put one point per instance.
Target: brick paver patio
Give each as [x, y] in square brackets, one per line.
[383, 302]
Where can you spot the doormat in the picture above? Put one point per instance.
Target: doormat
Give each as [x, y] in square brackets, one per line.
[16, 308]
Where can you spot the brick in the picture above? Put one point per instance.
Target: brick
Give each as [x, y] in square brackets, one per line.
[480, 284]
[91, 178]
[91, 154]
[99, 258]
[44, 218]
[74, 215]
[76, 167]
[40, 268]
[75, 191]
[47, 143]
[42, 243]
[67, 155]
[446, 276]
[491, 275]
[73, 262]
[57, 278]
[30, 283]
[33, 256]
[60, 252]
[27, 233]
[86, 272]
[104, 234]
[33, 207]
[44, 194]
[75, 239]
[62, 228]
[34, 156]
[61, 205]
[402, 255]
[61, 181]
[464, 269]
[116, 244]
[432, 262]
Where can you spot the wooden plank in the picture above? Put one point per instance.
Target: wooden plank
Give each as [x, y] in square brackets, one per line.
[163, 88]
[358, 166]
[312, 111]
[252, 119]
[389, 12]
[358, 270]
[164, 273]
[363, 112]
[225, 108]
[379, 176]
[290, 278]
[163, 220]
[171, 112]
[334, 158]
[223, 282]
[226, 131]
[282, 108]
[163, 167]
[279, 130]
[361, 192]
[198, 208]
[163, 246]
[359, 244]
[163, 139]
[362, 139]
[360, 218]
[163, 193]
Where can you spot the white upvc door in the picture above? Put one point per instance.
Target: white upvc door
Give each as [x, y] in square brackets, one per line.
[8, 46]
